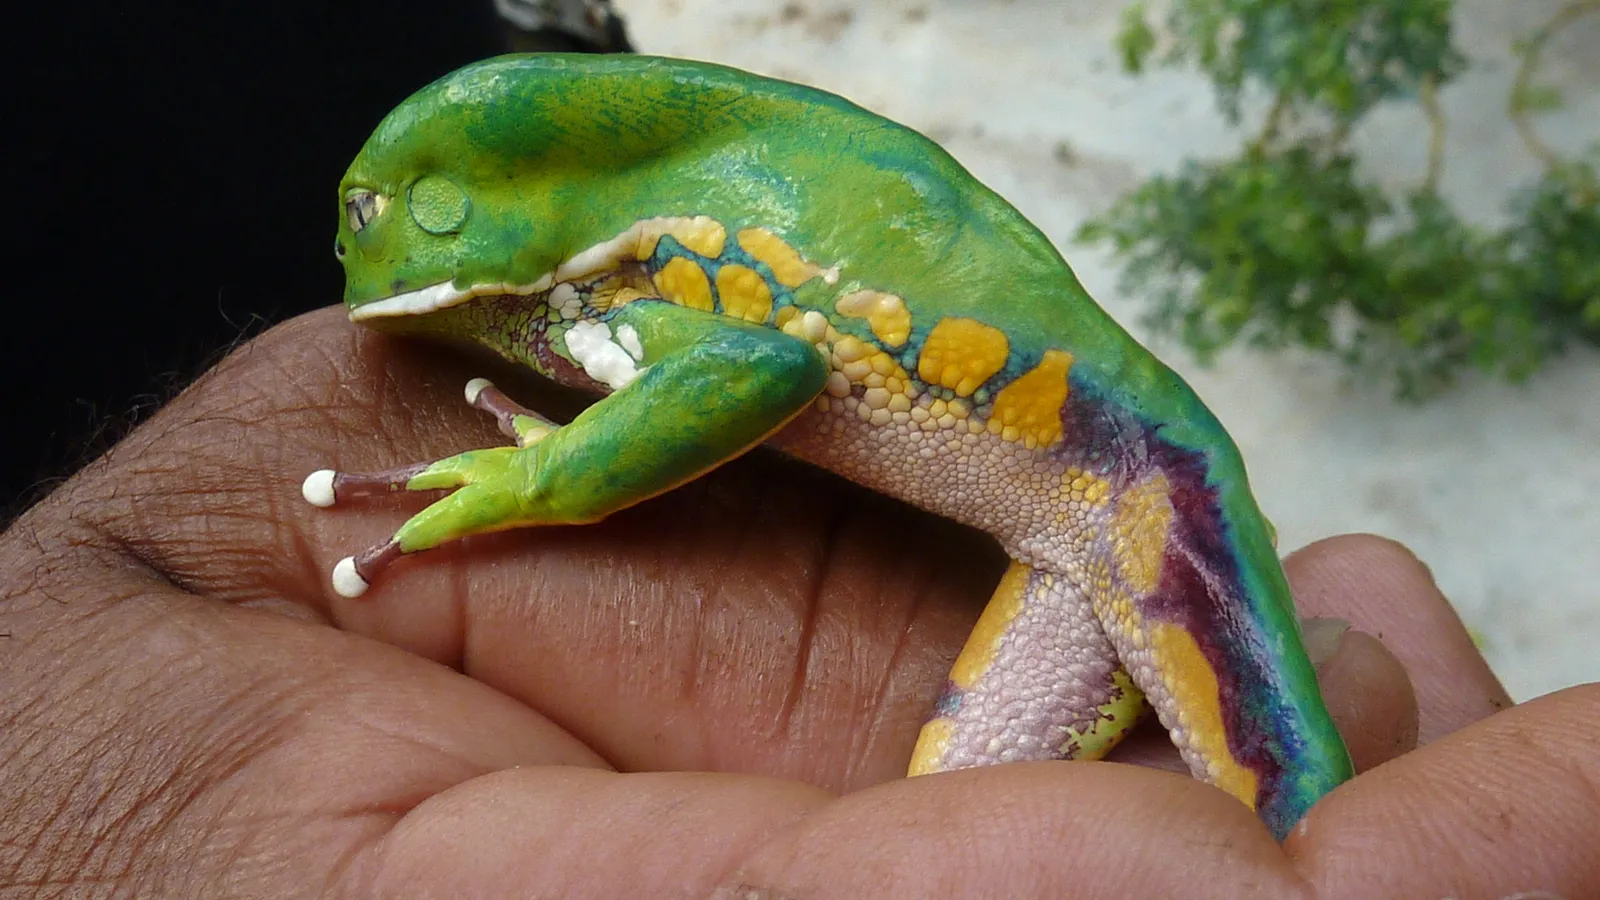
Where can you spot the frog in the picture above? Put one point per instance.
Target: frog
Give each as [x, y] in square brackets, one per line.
[729, 261]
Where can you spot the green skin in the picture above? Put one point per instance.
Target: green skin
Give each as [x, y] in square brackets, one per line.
[502, 171]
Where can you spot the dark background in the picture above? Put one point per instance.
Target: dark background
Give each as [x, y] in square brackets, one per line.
[173, 179]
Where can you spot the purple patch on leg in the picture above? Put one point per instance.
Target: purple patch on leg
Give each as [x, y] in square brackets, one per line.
[1200, 589]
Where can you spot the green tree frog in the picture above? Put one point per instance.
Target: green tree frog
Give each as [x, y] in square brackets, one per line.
[732, 261]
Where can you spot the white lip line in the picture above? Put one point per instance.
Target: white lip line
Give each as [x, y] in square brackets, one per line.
[439, 296]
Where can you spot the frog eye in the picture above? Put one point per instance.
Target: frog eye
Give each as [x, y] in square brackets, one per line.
[362, 206]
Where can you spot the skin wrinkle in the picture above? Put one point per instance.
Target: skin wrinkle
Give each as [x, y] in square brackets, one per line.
[147, 795]
[133, 810]
[32, 842]
[550, 580]
[704, 497]
[195, 778]
[578, 728]
[731, 541]
[693, 666]
[1585, 783]
[811, 607]
[986, 554]
[885, 683]
[96, 747]
[458, 596]
[138, 552]
[146, 512]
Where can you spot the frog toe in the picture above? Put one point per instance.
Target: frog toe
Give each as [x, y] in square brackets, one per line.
[353, 575]
[318, 488]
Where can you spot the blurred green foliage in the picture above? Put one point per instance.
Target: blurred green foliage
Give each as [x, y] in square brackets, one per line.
[1286, 245]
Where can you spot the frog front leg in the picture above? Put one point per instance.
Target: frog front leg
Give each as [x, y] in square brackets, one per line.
[701, 390]
[325, 487]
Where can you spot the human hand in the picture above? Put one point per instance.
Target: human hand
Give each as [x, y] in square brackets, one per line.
[189, 710]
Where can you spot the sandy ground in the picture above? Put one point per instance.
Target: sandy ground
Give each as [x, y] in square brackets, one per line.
[1496, 488]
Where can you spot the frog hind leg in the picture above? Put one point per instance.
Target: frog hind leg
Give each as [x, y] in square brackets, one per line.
[997, 708]
[1189, 590]
[708, 388]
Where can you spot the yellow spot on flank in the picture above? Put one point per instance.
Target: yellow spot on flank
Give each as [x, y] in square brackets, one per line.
[961, 354]
[684, 283]
[984, 642]
[785, 315]
[744, 293]
[787, 265]
[886, 314]
[932, 744]
[702, 234]
[1196, 697]
[1138, 533]
[1032, 404]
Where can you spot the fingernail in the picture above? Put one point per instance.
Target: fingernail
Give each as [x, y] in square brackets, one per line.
[1322, 638]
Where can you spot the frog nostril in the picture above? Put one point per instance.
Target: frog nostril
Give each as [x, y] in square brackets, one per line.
[338, 248]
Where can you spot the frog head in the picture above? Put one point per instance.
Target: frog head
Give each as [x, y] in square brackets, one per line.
[459, 190]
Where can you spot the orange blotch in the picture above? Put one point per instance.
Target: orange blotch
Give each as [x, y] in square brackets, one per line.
[1196, 697]
[702, 234]
[961, 354]
[1030, 407]
[1138, 533]
[684, 283]
[787, 265]
[744, 293]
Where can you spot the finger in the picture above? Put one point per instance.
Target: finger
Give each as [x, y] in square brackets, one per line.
[1476, 814]
[1029, 830]
[1369, 695]
[154, 737]
[566, 833]
[1384, 590]
[1509, 806]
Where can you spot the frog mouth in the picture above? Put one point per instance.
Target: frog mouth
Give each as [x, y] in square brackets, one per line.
[439, 296]
[601, 257]
[445, 294]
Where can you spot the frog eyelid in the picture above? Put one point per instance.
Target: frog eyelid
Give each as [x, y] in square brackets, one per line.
[361, 206]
